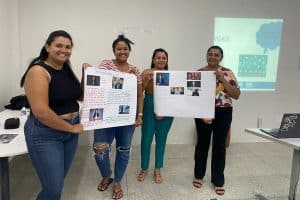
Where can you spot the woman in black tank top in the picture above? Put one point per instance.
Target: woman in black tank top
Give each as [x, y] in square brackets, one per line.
[51, 131]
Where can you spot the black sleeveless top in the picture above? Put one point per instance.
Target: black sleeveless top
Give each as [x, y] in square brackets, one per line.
[64, 90]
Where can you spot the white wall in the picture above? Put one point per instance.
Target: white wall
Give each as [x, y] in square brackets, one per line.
[6, 67]
[183, 27]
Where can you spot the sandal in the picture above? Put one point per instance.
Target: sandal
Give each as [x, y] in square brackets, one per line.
[219, 190]
[142, 175]
[117, 191]
[197, 183]
[157, 176]
[105, 182]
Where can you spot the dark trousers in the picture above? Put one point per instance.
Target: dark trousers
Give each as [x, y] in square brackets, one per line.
[219, 127]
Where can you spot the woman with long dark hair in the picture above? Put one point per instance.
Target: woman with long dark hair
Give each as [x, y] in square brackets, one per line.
[154, 125]
[51, 130]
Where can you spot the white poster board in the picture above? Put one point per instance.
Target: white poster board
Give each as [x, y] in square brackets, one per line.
[110, 99]
[188, 94]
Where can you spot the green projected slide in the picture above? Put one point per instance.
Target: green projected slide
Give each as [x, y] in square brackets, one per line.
[251, 49]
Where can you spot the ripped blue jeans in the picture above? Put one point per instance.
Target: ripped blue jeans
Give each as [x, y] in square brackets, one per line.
[103, 139]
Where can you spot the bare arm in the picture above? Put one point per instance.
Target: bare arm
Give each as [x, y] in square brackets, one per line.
[147, 76]
[83, 68]
[36, 89]
[140, 102]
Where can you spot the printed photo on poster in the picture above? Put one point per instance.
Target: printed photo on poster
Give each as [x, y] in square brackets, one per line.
[195, 92]
[96, 114]
[124, 109]
[193, 76]
[177, 90]
[117, 83]
[162, 79]
[193, 84]
[93, 80]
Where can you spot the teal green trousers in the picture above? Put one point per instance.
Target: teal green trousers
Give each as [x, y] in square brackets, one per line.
[151, 126]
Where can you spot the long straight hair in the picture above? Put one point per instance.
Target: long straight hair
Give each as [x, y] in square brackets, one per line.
[159, 50]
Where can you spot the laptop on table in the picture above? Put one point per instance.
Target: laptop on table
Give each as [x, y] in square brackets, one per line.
[289, 127]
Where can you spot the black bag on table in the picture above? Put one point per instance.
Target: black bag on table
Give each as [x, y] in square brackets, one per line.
[18, 102]
[12, 123]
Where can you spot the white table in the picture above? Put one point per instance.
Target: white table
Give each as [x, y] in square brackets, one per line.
[293, 143]
[16, 147]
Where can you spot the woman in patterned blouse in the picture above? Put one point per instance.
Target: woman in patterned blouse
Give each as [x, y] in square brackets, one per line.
[226, 89]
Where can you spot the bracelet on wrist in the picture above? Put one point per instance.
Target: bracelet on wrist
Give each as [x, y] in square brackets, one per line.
[140, 114]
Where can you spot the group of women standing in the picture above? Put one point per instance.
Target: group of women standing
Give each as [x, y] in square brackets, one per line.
[52, 129]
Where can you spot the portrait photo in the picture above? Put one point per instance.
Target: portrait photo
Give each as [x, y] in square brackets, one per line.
[162, 79]
[96, 114]
[93, 80]
[117, 83]
[193, 84]
[124, 109]
[193, 75]
[195, 92]
[177, 90]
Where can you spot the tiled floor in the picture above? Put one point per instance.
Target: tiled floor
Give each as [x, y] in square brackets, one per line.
[254, 171]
